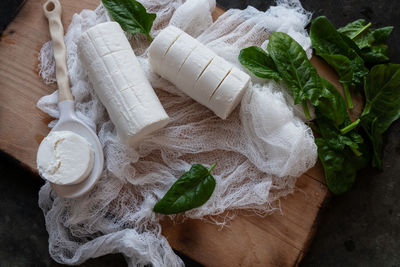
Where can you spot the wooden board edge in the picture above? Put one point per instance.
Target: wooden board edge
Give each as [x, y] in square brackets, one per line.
[220, 11]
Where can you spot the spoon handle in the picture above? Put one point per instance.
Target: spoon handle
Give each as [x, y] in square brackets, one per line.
[52, 10]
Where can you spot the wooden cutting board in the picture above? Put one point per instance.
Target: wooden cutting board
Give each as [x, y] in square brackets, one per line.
[280, 239]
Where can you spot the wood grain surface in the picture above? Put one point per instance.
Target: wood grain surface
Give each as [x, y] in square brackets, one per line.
[279, 239]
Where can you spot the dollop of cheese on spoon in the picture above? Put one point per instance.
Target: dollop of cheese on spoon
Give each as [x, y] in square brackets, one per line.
[64, 158]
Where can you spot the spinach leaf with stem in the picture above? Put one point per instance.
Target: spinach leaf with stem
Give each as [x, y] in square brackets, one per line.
[356, 29]
[340, 166]
[295, 69]
[131, 15]
[370, 41]
[190, 191]
[382, 107]
[336, 139]
[343, 68]
[331, 104]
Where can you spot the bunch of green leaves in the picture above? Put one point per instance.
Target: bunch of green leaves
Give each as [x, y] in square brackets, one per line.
[371, 42]
[340, 52]
[381, 86]
[287, 61]
[131, 15]
[190, 191]
[343, 147]
[342, 156]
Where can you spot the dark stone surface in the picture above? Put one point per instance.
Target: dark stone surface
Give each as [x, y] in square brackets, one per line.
[359, 228]
[8, 10]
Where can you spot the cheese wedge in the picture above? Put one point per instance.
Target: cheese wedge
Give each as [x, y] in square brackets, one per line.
[64, 158]
[197, 71]
[120, 82]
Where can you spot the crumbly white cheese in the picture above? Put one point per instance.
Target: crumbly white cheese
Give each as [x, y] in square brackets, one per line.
[197, 71]
[64, 158]
[120, 82]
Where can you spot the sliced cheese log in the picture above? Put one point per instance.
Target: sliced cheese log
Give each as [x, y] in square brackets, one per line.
[159, 47]
[193, 67]
[229, 93]
[197, 71]
[210, 80]
[120, 83]
[173, 60]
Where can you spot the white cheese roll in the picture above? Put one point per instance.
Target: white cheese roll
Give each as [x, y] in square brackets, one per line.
[197, 71]
[120, 82]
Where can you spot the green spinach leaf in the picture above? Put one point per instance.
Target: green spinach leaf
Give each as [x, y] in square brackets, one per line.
[331, 104]
[343, 67]
[351, 44]
[256, 60]
[371, 42]
[376, 51]
[336, 51]
[376, 54]
[381, 35]
[337, 140]
[356, 31]
[295, 69]
[382, 107]
[303, 80]
[190, 191]
[131, 15]
[340, 167]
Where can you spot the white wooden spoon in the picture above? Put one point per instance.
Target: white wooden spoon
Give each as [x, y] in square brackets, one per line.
[68, 120]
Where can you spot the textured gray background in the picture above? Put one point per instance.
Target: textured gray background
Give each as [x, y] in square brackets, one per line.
[359, 228]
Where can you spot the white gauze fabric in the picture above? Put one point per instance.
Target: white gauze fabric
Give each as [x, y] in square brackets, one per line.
[260, 149]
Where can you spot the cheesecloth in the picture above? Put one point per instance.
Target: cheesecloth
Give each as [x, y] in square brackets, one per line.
[260, 149]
